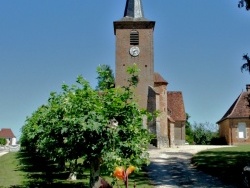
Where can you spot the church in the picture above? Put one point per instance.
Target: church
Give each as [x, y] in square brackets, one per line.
[135, 45]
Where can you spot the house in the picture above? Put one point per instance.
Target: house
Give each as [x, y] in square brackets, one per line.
[8, 135]
[135, 45]
[234, 126]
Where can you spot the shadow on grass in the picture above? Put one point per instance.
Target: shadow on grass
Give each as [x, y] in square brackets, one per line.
[138, 179]
[226, 165]
[43, 173]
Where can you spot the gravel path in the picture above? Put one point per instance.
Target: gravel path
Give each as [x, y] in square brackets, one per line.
[171, 168]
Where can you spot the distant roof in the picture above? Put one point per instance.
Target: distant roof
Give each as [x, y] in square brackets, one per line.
[176, 105]
[6, 133]
[239, 109]
[159, 79]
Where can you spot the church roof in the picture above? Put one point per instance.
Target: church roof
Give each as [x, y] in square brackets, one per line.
[158, 79]
[176, 106]
[133, 11]
[6, 133]
[239, 109]
[133, 17]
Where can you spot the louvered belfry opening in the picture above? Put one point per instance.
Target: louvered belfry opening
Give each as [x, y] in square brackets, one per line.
[134, 37]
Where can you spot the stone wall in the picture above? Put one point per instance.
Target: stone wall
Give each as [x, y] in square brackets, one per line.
[180, 133]
[229, 130]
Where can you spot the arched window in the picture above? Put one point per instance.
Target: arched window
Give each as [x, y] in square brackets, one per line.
[134, 37]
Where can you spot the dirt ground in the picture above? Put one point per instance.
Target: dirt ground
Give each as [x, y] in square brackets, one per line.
[171, 168]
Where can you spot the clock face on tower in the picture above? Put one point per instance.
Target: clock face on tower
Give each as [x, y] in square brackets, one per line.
[134, 51]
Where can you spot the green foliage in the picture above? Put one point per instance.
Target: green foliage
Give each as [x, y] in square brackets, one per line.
[244, 3]
[203, 133]
[189, 131]
[76, 124]
[3, 141]
[105, 77]
[246, 65]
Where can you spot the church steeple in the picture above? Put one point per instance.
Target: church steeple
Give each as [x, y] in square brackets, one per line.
[134, 45]
[134, 9]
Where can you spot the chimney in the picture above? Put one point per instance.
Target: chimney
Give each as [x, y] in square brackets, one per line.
[248, 87]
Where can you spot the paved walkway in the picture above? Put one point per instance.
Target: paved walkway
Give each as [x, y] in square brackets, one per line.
[171, 168]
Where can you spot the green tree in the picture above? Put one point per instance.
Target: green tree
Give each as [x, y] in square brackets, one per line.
[189, 131]
[203, 133]
[77, 123]
[3, 141]
[105, 77]
[244, 3]
[246, 65]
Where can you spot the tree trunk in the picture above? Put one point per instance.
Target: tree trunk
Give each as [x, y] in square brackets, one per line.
[94, 173]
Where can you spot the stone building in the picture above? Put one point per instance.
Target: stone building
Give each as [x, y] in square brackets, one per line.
[234, 126]
[135, 45]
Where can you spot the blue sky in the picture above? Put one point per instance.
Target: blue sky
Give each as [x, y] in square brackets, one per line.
[198, 50]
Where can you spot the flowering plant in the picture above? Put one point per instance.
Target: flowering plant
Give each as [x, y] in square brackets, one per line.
[123, 174]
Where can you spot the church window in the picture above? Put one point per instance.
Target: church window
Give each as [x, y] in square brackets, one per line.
[134, 37]
[242, 130]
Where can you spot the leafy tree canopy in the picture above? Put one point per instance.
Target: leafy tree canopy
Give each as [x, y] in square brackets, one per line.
[203, 133]
[105, 77]
[77, 123]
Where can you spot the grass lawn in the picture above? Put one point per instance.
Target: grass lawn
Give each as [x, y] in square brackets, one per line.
[226, 163]
[9, 173]
[18, 170]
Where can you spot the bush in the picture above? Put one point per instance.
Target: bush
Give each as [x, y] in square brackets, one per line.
[203, 133]
[3, 141]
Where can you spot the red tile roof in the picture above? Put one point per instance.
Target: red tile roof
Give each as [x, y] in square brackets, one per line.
[6, 133]
[176, 106]
[239, 109]
[159, 79]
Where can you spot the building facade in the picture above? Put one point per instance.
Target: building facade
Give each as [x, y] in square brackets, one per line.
[234, 126]
[135, 45]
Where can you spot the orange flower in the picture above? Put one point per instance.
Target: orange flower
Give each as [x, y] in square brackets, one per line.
[119, 173]
[130, 169]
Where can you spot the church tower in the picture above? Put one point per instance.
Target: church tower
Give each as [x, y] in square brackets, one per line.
[134, 45]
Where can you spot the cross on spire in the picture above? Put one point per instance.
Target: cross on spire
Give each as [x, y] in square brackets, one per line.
[133, 9]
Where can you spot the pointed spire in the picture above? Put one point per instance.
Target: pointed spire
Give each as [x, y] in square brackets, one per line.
[133, 9]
